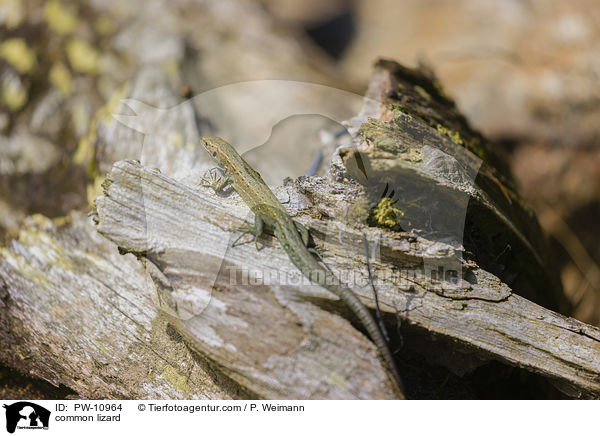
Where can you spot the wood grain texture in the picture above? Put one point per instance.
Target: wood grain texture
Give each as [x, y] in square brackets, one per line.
[77, 313]
[265, 336]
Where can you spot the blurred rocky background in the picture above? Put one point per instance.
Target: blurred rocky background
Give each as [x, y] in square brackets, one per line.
[526, 73]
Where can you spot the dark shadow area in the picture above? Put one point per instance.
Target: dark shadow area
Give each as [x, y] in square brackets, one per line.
[334, 34]
[17, 386]
[424, 360]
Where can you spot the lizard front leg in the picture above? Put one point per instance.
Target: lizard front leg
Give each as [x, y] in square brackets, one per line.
[216, 179]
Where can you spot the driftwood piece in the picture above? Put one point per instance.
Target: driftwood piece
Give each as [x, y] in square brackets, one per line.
[282, 341]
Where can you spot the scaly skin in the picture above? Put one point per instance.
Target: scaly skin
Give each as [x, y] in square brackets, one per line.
[268, 210]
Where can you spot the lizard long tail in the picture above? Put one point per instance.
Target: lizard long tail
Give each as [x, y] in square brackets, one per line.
[305, 262]
[324, 278]
[363, 314]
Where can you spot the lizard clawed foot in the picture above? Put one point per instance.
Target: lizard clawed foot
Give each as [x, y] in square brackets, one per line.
[248, 229]
[256, 230]
[316, 253]
[216, 179]
[211, 178]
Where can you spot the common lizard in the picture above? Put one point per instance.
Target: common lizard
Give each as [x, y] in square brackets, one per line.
[293, 237]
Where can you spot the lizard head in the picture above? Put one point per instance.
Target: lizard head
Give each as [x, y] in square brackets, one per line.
[210, 144]
[225, 155]
[218, 149]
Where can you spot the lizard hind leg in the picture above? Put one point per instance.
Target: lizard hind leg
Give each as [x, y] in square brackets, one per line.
[256, 230]
[305, 235]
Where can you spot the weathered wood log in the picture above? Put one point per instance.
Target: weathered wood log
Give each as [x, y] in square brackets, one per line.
[485, 316]
[252, 327]
[270, 338]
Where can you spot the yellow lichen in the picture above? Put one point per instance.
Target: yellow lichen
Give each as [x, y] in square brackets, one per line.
[40, 221]
[24, 268]
[95, 189]
[412, 155]
[177, 380]
[386, 214]
[17, 53]
[440, 89]
[172, 69]
[453, 135]
[176, 139]
[422, 92]
[82, 56]
[85, 151]
[84, 155]
[60, 18]
[61, 78]
[52, 254]
[11, 13]
[104, 25]
[62, 221]
[14, 95]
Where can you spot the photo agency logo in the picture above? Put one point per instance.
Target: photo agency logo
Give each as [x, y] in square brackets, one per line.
[25, 415]
[418, 193]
